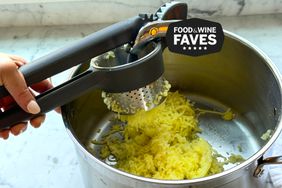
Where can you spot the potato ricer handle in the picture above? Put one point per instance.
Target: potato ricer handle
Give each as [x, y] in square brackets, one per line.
[54, 97]
[145, 70]
[81, 51]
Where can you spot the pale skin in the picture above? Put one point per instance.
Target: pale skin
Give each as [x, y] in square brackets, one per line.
[14, 82]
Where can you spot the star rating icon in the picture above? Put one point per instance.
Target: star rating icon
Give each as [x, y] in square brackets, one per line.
[194, 48]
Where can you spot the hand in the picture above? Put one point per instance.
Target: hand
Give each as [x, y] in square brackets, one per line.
[14, 82]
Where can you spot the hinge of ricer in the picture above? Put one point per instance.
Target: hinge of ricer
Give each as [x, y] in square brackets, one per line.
[168, 13]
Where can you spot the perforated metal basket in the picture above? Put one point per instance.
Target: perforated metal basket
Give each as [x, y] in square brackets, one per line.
[130, 102]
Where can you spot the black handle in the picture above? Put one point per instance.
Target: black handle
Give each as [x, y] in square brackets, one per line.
[54, 97]
[81, 51]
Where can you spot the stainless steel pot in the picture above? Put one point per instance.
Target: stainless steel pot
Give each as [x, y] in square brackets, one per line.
[240, 77]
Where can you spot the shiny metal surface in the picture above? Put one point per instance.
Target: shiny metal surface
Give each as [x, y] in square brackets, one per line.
[145, 98]
[268, 161]
[240, 77]
[149, 94]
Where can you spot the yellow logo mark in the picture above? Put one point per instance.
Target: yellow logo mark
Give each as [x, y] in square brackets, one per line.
[153, 31]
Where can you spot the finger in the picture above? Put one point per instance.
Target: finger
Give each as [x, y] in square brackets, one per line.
[19, 128]
[36, 122]
[13, 57]
[14, 82]
[17, 58]
[58, 110]
[42, 86]
[19, 63]
[4, 134]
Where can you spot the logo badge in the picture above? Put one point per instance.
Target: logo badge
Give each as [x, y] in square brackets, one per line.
[195, 37]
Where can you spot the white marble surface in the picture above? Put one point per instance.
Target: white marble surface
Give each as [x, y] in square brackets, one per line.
[45, 157]
[68, 12]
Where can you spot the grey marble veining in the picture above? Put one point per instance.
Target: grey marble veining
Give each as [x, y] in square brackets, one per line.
[45, 157]
[99, 11]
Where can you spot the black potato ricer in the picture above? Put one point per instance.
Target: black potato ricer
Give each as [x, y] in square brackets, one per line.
[131, 77]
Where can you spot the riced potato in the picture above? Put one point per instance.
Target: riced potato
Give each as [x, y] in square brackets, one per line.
[163, 143]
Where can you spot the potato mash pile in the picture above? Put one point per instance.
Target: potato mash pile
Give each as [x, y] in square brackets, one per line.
[162, 143]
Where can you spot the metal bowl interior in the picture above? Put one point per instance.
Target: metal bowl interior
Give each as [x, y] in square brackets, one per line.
[239, 77]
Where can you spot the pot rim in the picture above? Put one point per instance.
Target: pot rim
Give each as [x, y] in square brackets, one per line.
[245, 164]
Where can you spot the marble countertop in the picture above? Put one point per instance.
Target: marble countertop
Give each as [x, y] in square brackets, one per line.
[45, 157]
[68, 12]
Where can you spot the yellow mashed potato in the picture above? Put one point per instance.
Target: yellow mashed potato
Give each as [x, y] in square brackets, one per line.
[163, 143]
